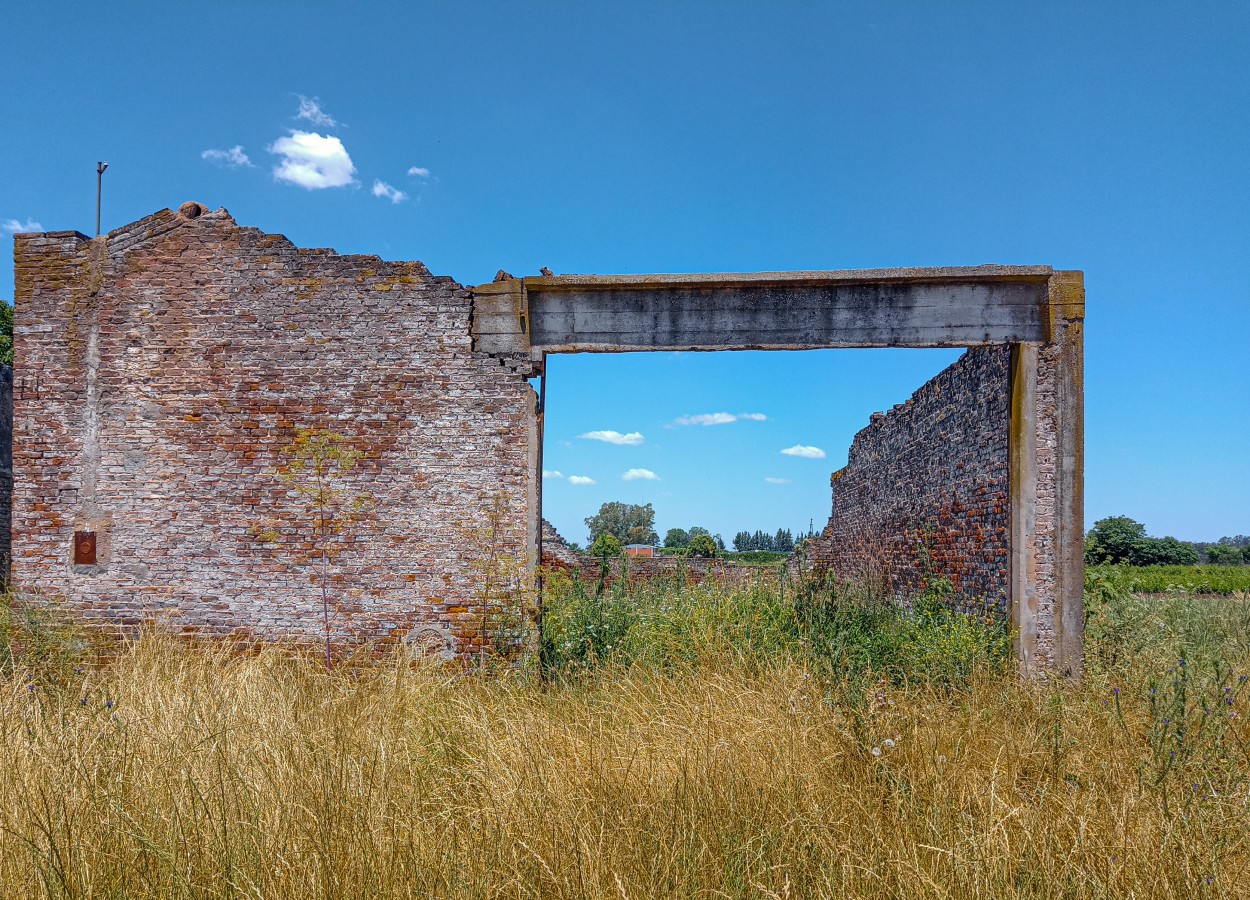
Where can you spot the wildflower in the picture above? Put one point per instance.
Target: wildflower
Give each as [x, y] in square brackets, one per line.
[876, 751]
[889, 742]
[941, 759]
[108, 704]
[1115, 691]
[30, 687]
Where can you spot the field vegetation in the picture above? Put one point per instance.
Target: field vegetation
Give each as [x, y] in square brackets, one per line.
[808, 741]
[1224, 580]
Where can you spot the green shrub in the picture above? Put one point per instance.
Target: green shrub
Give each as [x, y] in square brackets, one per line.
[838, 629]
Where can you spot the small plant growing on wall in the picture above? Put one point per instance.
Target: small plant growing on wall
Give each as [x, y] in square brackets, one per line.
[502, 586]
[317, 465]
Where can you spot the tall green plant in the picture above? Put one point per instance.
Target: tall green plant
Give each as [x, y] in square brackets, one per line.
[317, 465]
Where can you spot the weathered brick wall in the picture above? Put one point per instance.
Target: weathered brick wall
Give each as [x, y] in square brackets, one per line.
[6, 469]
[163, 370]
[925, 489]
[556, 551]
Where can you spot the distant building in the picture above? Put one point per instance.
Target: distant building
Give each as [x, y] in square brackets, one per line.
[639, 550]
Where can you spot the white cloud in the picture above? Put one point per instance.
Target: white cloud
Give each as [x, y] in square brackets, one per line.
[419, 172]
[720, 418]
[580, 479]
[643, 474]
[804, 451]
[772, 480]
[310, 109]
[382, 189]
[552, 473]
[230, 159]
[706, 419]
[14, 226]
[633, 439]
[313, 161]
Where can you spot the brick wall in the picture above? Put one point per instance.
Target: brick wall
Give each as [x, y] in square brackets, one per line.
[6, 469]
[925, 489]
[163, 370]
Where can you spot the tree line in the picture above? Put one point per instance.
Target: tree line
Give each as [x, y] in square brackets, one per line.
[633, 523]
[1121, 540]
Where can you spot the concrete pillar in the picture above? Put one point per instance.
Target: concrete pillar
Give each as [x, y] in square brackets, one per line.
[1047, 448]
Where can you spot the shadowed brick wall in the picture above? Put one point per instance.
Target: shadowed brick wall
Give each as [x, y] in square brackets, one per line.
[6, 468]
[163, 370]
[925, 488]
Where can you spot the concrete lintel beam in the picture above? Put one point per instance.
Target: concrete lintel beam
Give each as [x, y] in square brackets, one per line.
[928, 307]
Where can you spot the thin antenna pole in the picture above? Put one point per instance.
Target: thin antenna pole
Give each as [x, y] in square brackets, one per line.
[99, 181]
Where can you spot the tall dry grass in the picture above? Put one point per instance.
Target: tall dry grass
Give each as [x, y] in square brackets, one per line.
[173, 770]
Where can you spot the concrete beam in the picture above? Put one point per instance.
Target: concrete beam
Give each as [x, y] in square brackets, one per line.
[936, 307]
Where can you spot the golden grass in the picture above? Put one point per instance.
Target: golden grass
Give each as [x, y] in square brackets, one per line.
[218, 775]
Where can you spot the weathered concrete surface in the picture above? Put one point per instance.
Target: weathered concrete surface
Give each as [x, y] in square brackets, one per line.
[163, 369]
[952, 307]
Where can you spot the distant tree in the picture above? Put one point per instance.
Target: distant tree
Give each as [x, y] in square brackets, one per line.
[1111, 540]
[1225, 555]
[676, 538]
[629, 523]
[742, 541]
[702, 545]
[1245, 551]
[1240, 540]
[1164, 551]
[606, 545]
[783, 541]
[696, 530]
[720, 543]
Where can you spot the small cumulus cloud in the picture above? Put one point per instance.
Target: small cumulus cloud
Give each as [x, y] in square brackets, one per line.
[772, 480]
[313, 161]
[16, 226]
[580, 479]
[419, 172]
[382, 189]
[804, 451]
[719, 418]
[552, 473]
[633, 439]
[310, 110]
[233, 158]
[640, 475]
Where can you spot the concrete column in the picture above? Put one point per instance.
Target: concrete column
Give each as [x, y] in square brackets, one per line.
[1064, 357]
[1022, 449]
[1047, 450]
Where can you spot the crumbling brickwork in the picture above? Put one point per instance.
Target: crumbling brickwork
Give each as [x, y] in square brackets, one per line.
[6, 469]
[925, 489]
[163, 370]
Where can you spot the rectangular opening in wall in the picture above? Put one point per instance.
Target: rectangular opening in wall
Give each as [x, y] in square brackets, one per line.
[892, 462]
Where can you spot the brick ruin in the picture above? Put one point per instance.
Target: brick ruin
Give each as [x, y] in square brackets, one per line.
[166, 371]
[163, 371]
[925, 490]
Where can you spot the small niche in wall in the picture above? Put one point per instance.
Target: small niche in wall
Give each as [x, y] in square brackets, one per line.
[84, 548]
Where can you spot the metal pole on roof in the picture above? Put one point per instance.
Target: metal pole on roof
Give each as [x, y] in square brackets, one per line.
[99, 181]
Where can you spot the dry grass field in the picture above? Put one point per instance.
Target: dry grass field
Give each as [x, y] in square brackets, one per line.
[176, 770]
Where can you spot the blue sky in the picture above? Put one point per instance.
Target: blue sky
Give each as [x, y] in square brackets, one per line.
[693, 137]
